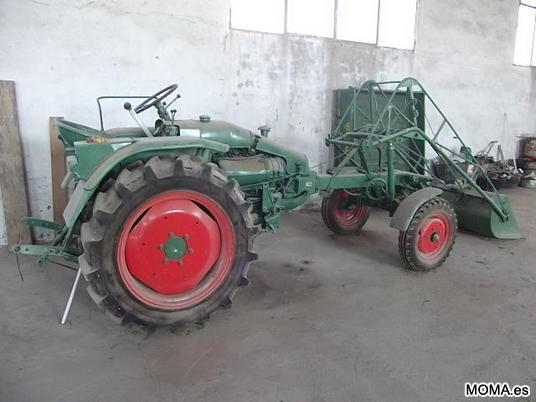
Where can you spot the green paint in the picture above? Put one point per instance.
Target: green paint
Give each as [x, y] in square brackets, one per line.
[475, 214]
[409, 206]
[90, 155]
[175, 248]
[42, 223]
[142, 148]
[254, 170]
[295, 161]
[379, 145]
[44, 251]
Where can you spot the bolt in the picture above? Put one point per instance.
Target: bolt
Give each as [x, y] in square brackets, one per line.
[191, 250]
[161, 247]
[166, 260]
[181, 262]
[171, 234]
[186, 236]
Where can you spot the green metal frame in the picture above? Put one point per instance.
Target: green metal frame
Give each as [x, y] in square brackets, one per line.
[379, 131]
[92, 167]
[61, 246]
[387, 120]
[126, 152]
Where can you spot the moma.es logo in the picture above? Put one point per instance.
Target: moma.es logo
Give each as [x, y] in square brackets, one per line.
[495, 389]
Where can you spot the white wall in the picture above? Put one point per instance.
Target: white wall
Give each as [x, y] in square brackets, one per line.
[63, 54]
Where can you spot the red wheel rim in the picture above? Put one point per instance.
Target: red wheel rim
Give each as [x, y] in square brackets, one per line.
[433, 235]
[175, 250]
[346, 213]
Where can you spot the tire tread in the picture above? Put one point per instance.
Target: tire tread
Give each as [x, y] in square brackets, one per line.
[130, 180]
[405, 238]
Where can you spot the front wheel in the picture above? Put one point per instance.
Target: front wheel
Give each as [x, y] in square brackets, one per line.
[343, 214]
[430, 236]
[168, 242]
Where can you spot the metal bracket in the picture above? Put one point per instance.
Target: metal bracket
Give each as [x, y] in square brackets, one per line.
[42, 223]
[43, 252]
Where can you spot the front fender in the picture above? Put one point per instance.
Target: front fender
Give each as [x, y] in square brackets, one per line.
[86, 188]
[407, 208]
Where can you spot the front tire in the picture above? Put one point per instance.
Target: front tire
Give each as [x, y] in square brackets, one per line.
[169, 242]
[343, 214]
[430, 236]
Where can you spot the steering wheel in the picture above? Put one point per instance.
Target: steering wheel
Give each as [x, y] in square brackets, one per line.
[156, 98]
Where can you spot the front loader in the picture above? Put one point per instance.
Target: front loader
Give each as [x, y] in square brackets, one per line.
[162, 219]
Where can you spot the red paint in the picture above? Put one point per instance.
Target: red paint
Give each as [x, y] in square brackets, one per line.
[165, 284]
[433, 234]
[348, 216]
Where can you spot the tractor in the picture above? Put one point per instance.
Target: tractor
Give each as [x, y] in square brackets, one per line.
[161, 220]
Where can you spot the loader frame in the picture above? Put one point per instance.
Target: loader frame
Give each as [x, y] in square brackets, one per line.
[386, 186]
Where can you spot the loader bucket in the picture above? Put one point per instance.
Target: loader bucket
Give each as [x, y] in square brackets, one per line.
[475, 214]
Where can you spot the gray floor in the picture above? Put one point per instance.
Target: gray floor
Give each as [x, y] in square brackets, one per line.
[325, 319]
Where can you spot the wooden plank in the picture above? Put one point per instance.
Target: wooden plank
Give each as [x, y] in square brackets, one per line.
[12, 176]
[59, 169]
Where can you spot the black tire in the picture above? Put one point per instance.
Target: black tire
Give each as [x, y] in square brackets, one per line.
[330, 207]
[112, 207]
[408, 241]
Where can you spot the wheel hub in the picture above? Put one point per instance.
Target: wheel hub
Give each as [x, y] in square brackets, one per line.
[172, 246]
[433, 235]
[347, 211]
[175, 247]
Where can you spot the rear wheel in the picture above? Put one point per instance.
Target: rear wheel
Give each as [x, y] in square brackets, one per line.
[168, 242]
[430, 236]
[343, 214]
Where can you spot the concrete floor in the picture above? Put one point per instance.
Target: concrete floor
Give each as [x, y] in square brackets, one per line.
[325, 319]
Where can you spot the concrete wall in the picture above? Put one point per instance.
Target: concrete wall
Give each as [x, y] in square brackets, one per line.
[64, 53]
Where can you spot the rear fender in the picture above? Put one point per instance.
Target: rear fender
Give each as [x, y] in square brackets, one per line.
[407, 208]
[141, 147]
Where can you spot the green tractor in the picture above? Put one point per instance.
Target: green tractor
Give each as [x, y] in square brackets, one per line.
[162, 219]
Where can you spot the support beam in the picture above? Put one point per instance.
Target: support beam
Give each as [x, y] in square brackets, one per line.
[58, 166]
[12, 176]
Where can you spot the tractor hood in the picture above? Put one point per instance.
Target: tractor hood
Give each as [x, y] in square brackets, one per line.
[217, 130]
[213, 130]
[239, 137]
